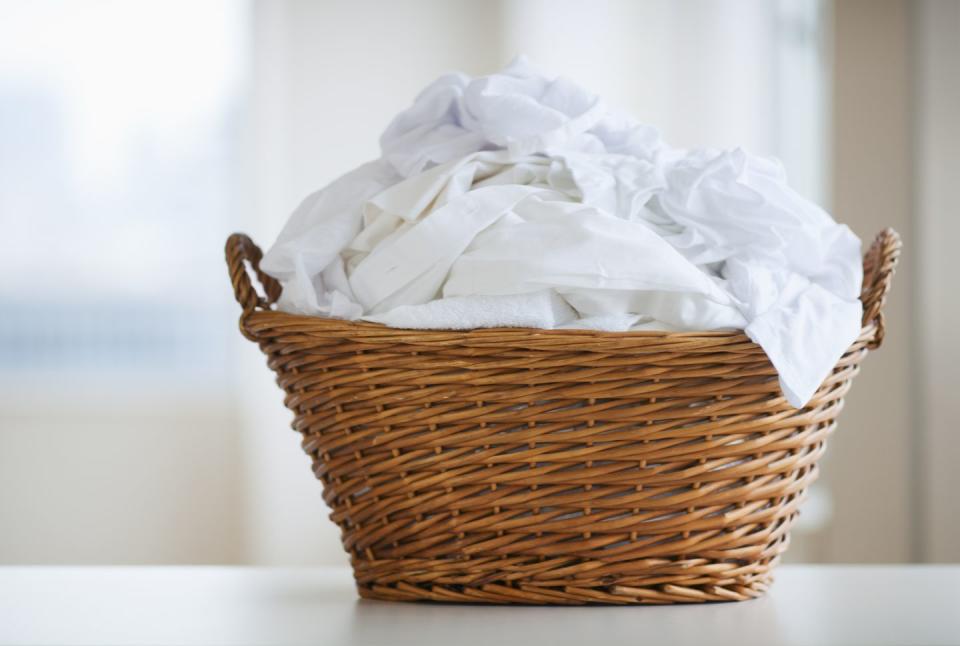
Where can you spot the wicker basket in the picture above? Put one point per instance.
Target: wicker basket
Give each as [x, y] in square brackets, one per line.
[552, 466]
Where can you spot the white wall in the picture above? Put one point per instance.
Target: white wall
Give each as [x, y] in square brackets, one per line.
[868, 465]
[937, 173]
[118, 435]
[112, 477]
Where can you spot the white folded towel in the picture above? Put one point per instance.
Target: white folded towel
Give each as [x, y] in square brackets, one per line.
[543, 309]
[519, 200]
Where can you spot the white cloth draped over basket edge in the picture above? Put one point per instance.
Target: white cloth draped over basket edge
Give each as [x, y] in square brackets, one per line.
[520, 200]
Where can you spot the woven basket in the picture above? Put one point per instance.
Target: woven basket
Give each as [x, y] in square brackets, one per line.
[552, 466]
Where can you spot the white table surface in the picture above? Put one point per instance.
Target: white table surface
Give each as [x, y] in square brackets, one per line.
[236, 605]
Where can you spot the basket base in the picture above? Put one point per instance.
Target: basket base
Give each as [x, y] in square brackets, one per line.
[501, 593]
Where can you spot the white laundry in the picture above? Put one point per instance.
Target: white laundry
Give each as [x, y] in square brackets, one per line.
[521, 200]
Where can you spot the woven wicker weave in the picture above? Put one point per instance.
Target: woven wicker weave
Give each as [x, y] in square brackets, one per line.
[552, 466]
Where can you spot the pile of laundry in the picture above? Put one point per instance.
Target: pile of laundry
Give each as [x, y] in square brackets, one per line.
[521, 200]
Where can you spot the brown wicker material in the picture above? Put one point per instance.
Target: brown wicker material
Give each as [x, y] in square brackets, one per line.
[552, 466]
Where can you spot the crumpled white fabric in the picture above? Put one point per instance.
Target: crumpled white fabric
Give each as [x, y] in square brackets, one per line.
[521, 200]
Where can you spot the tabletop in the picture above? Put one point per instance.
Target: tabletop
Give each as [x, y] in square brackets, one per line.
[819, 605]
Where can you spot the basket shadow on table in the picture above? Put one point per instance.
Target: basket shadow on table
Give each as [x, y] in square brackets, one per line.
[508, 624]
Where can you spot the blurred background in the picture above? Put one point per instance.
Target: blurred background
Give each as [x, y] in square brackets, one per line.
[137, 426]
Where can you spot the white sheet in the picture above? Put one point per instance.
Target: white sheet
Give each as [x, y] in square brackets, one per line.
[521, 200]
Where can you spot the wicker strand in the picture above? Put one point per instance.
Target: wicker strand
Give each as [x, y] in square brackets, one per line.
[878, 267]
[240, 250]
[552, 466]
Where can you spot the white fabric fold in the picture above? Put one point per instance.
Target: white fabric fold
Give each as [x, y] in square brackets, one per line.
[520, 199]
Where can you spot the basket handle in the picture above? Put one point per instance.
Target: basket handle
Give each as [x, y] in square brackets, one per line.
[240, 250]
[878, 267]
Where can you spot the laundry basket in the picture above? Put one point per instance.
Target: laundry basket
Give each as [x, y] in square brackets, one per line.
[552, 466]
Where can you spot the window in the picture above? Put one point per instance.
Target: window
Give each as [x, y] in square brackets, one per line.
[119, 145]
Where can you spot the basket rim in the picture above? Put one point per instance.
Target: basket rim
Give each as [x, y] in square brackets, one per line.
[262, 324]
[380, 328]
